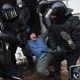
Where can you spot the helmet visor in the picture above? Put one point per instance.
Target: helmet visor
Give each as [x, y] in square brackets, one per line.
[9, 14]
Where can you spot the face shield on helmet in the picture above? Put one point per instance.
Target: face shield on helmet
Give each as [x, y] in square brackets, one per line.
[8, 12]
[43, 4]
[56, 11]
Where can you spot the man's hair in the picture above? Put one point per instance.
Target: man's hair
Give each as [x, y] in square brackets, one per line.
[29, 33]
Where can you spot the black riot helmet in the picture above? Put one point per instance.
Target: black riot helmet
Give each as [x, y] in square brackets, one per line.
[20, 3]
[57, 10]
[43, 4]
[8, 11]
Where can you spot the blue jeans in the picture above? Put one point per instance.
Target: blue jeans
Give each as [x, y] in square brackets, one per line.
[42, 64]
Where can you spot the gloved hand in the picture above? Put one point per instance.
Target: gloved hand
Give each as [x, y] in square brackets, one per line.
[50, 51]
[19, 56]
[34, 59]
[58, 49]
[68, 39]
[21, 60]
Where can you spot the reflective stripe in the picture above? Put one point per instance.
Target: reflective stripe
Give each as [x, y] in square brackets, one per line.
[43, 55]
[48, 13]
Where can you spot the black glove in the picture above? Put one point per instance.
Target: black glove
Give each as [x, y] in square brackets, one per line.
[68, 39]
[50, 51]
[59, 51]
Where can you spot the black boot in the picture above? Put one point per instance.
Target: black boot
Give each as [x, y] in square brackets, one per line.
[51, 75]
[57, 77]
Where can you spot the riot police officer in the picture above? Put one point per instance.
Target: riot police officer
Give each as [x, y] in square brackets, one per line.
[10, 27]
[34, 20]
[64, 34]
[23, 21]
[23, 13]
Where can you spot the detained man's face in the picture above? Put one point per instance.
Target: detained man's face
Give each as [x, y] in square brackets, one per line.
[32, 36]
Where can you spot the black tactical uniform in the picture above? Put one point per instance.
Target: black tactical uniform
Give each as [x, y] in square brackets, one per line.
[64, 35]
[10, 27]
[23, 22]
[34, 18]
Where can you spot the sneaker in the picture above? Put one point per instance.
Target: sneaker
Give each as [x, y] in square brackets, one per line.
[68, 39]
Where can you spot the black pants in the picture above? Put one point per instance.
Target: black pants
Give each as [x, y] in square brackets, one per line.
[8, 67]
[71, 60]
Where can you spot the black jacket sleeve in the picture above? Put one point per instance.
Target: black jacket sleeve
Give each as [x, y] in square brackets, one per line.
[26, 51]
[27, 15]
[75, 21]
[52, 41]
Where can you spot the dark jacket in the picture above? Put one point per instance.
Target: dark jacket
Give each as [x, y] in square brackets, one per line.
[23, 17]
[34, 18]
[71, 25]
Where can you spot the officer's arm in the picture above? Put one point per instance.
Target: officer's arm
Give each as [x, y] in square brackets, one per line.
[27, 15]
[44, 35]
[1, 25]
[26, 50]
[76, 31]
[52, 40]
[23, 44]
